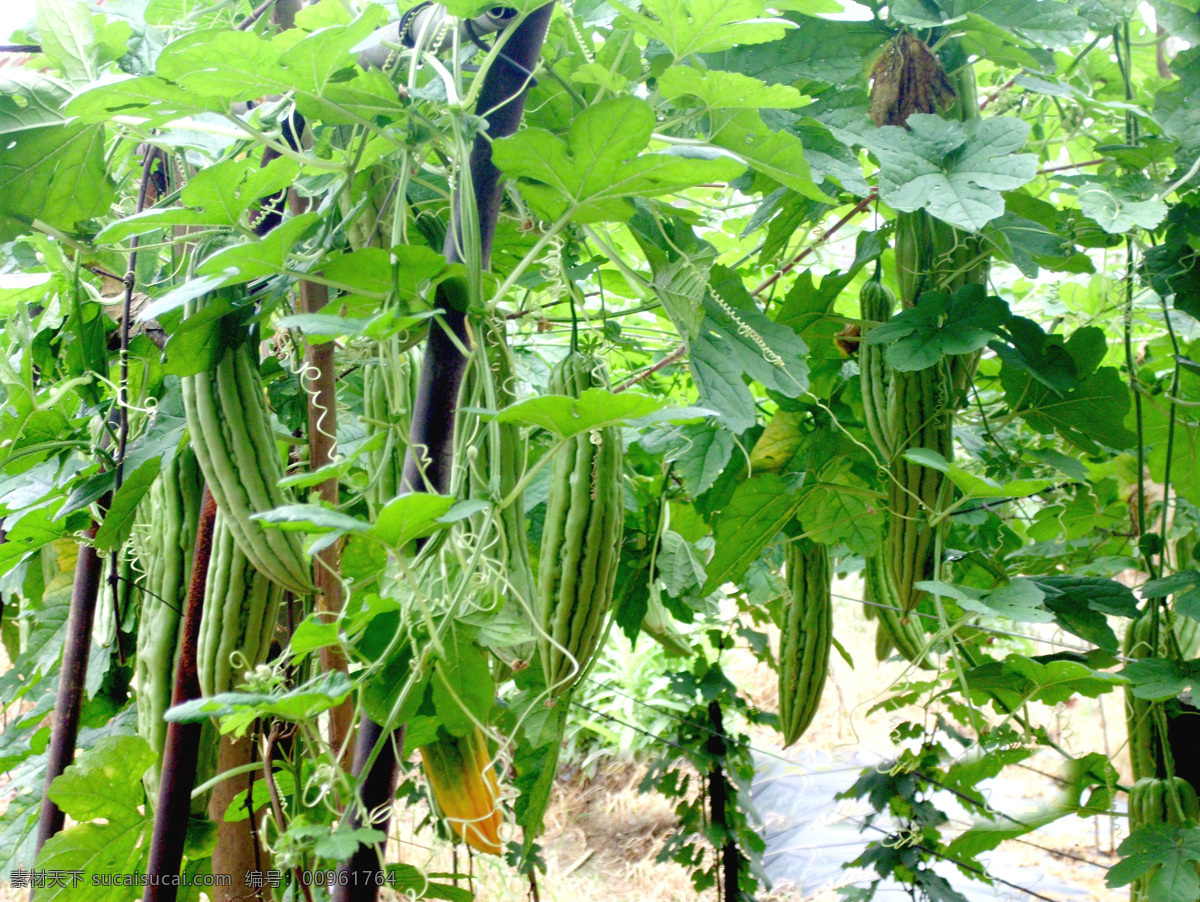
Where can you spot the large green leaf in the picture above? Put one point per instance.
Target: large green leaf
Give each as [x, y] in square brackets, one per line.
[102, 790]
[600, 166]
[704, 26]
[29, 100]
[726, 90]
[1118, 211]
[1045, 23]
[955, 170]
[778, 156]
[105, 781]
[839, 510]
[143, 95]
[940, 324]
[462, 687]
[1091, 413]
[818, 49]
[736, 340]
[1184, 445]
[69, 38]
[1051, 679]
[1168, 852]
[56, 174]
[759, 509]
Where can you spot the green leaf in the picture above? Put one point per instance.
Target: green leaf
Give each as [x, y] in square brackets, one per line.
[1177, 583]
[818, 49]
[315, 518]
[976, 486]
[412, 883]
[313, 633]
[1117, 211]
[700, 453]
[29, 100]
[462, 686]
[1170, 852]
[726, 90]
[410, 517]
[1185, 447]
[1105, 596]
[955, 170]
[1051, 679]
[593, 409]
[1173, 270]
[940, 325]
[1161, 678]
[775, 155]
[105, 781]
[737, 339]
[1030, 350]
[56, 174]
[680, 565]
[139, 95]
[1041, 23]
[704, 26]
[93, 850]
[592, 174]
[262, 257]
[217, 62]
[216, 196]
[1092, 412]
[1019, 600]
[68, 38]
[839, 509]
[118, 521]
[241, 709]
[343, 841]
[760, 507]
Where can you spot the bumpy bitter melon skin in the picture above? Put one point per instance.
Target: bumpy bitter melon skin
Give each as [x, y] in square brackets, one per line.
[929, 255]
[806, 637]
[1146, 638]
[577, 566]
[876, 304]
[894, 629]
[389, 390]
[231, 434]
[918, 417]
[165, 541]
[240, 609]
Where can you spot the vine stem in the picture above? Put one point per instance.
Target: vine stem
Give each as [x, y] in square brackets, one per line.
[829, 233]
[130, 279]
[673, 357]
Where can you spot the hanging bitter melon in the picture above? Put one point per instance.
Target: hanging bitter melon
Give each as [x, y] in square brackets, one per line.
[577, 566]
[806, 636]
[235, 447]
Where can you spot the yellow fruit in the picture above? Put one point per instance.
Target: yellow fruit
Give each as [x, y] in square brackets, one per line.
[465, 790]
